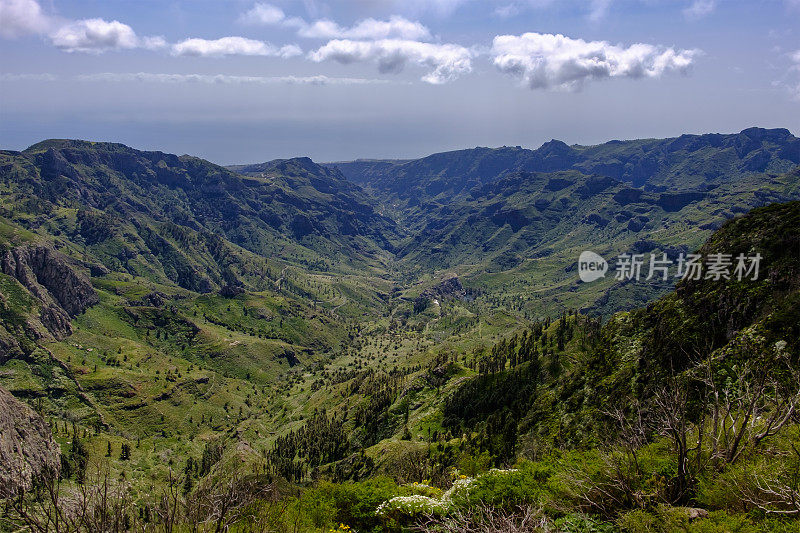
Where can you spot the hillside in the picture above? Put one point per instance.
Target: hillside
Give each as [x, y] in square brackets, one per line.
[126, 204]
[688, 162]
[509, 219]
[614, 426]
[267, 325]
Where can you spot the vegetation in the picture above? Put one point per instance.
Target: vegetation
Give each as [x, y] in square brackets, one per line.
[264, 351]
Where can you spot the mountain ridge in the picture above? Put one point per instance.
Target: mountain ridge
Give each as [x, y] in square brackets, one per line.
[641, 156]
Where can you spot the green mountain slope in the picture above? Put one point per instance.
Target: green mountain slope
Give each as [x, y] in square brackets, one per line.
[518, 238]
[129, 208]
[512, 222]
[688, 162]
[149, 294]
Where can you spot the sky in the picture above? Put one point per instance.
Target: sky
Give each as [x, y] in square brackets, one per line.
[238, 81]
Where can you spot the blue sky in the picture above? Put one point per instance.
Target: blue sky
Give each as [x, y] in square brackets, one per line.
[241, 81]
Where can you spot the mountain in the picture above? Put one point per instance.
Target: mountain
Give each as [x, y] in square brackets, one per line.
[509, 220]
[118, 266]
[689, 402]
[688, 162]
[130, 207]
[725, 326]
[328, 188]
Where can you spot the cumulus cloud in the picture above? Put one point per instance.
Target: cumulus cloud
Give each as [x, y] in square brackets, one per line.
[396, 27]
[545, 61]
[699, 9]
[447, 61]
[98, 35]
[94, 35]
[232, 46]
[22, 17]
[151, 77]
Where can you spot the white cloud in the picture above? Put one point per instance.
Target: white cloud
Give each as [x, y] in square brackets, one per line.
[22, 17]
[153, 43]
[447, 61]
[266, 14]
[28, 77]
[543, 61]
[699, 9]
[151, 77]
[396, 27]
[94, 35]
[232, 46]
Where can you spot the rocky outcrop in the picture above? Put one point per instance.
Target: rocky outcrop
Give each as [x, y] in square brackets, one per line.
[63, 292]
[27, 447]
[449, 288]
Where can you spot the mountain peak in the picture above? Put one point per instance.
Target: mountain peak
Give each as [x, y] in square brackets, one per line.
[554, 145]
[767, 134]
[58, 144]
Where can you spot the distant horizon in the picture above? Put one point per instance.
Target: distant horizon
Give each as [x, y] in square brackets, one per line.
[410, 158]
[255, 80]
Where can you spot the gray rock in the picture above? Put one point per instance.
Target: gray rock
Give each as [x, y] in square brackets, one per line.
[47, 274]
[27, 447]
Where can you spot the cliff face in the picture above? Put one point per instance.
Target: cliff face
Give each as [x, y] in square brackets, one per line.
[47, 275]
[27, 447]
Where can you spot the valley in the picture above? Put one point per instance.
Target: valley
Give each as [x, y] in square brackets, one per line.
[341, 335]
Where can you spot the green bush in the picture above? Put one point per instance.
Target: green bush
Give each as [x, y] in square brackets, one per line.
[577, 523]
[356, 503]
[665, 519]
[316, 508]
[508, 489]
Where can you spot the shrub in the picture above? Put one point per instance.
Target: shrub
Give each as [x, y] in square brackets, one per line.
[356, 502]
[665, 519]
[507, 489]
[578, 523]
